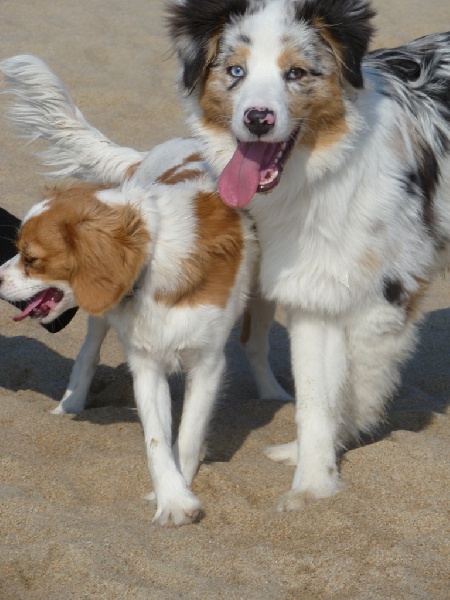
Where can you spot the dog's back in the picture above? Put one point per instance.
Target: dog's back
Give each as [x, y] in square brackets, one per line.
[418, 78]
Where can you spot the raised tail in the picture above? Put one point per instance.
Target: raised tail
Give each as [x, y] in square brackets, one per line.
[44, 109]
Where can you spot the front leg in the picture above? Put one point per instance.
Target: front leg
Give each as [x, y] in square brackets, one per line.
[202, 384]
[176, 504]
[320, 369]
[74, 399]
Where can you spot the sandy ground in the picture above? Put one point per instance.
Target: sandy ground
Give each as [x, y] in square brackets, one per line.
[73, 522]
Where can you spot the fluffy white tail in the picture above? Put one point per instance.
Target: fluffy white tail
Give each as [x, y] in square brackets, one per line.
[44, 109]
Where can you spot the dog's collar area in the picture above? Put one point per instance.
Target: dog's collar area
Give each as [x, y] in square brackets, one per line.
[137, 284]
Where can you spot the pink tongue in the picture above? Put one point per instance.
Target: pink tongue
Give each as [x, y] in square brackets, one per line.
[50, 296]
[239, 180]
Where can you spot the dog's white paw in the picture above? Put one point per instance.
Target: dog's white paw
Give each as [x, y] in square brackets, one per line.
[176, 512]
[321, 488]
[150, 497]
[72, 403]
[67, 409]
[292, 500]
[282, 453]
[274, 391]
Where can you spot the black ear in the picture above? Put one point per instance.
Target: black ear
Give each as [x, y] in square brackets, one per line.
[9, 226]
[346, 27]
[195, 27]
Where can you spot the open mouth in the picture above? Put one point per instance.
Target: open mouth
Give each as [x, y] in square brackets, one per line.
[254, 167]
[40, 305]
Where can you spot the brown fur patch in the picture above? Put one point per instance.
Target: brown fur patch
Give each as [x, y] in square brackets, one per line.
[209, 273]
[289, 58]
[331, 43]
[326, 123]
[413, 307]
[178, 173]
[213, 44]
[131, 170]
[215, 102]
[370, 261]
[174, 176]
[318, 102]
[98, 249]
[196, 157]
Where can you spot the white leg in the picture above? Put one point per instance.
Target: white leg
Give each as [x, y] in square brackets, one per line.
[379, 340]
[176, 504]
[257, 349]
[202, 386]
[319, 365]
[74, 399]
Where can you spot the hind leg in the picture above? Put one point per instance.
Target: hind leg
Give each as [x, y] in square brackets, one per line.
[258, 319]
[74, 399]
[379, 341]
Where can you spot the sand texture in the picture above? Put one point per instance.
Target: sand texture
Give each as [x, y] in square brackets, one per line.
[73, 523]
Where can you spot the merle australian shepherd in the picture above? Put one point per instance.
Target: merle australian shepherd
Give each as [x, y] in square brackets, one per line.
[342, 158]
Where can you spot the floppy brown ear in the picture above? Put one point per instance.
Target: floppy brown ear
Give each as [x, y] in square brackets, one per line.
[108, 247]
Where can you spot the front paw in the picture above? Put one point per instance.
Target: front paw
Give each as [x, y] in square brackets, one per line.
[273, 391]
[72, 403]
[296, 499]
[179, 511]
[282, 453]
[67, 408]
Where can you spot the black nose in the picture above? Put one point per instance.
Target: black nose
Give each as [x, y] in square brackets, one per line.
[259, 120]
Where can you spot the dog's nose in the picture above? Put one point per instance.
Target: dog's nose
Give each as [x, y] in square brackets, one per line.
[259, 120]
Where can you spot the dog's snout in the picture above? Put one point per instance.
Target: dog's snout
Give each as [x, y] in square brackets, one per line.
[259, 121]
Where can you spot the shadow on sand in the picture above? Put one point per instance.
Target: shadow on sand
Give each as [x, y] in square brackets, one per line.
[424, 391]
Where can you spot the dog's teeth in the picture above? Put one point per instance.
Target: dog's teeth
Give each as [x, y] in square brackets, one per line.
[279, 155]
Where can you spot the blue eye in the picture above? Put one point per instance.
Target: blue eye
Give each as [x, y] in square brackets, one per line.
[295, 74]
[236, 71]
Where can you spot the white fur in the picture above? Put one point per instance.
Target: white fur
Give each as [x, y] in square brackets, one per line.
[157, 338]
[335, 229]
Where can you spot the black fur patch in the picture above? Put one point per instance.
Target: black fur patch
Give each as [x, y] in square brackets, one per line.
[424, 181]
[402, 66]
[348, 23]
[192, 25]
[394, 292]
[9, 226]
[427, 57]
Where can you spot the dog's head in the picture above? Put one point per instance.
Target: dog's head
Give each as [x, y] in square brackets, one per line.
[74, 249]
[272, 74]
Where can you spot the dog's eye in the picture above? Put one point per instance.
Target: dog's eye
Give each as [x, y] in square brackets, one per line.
[236, 71]
[29, 262]
[295, 74]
